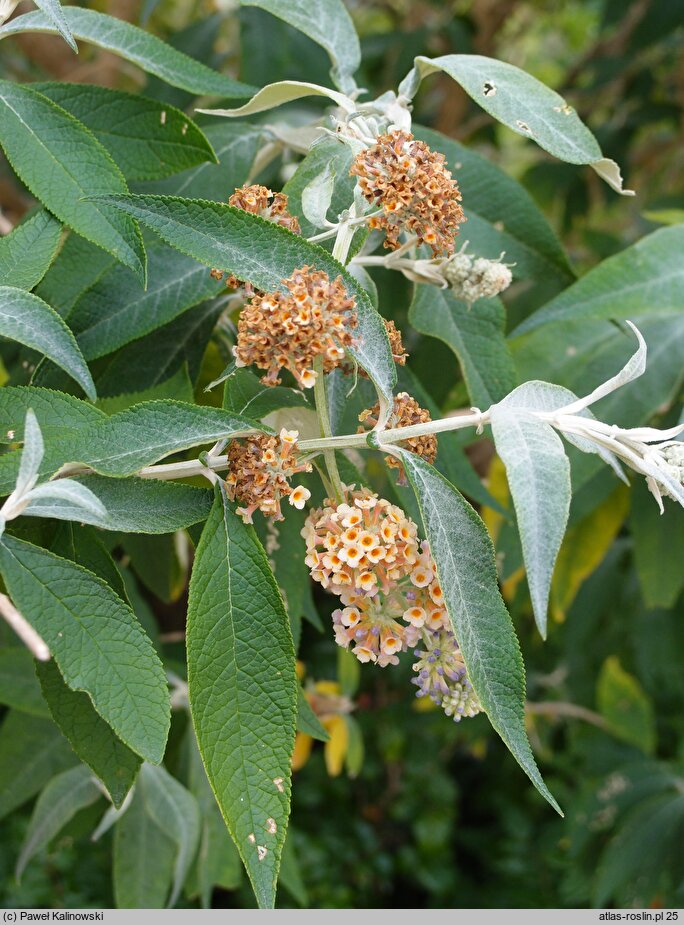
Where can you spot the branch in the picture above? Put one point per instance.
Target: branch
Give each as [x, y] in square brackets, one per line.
[33, 642]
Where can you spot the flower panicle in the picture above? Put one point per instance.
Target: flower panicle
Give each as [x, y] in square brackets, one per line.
[314, 317]
[259, 471]
[416, 192]
[406, 412]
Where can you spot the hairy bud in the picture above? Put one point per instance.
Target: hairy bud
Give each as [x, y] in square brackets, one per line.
[473, 278]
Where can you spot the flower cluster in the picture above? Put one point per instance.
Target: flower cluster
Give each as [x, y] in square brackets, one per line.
[259, 200]
[473, 278]
[259, 470]
[441, 675]
[406, 412]
[399, 354]
[314, 318]
[367, 551]
[414, 188]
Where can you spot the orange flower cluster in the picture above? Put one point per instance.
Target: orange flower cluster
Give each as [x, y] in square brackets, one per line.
[396, 344]
[406, 412]
[416, 191]
[259, 470]
[314, 318]
[259, 200]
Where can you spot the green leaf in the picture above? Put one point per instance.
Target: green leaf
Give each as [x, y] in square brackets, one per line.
[218, 861]
[524, 104]
[329, 25]
[502, 216]
[291, 876]
[236, 145]
[144, 859]
[137, 505]
[641, 280]
[647, 843]
[148, 139]
[64, 796]
[33, 750]
[54, 13]
[625, 706]
[27, 319]
[62, 164]
[263, 254]
[28, 250]
[95, 639]
[538, 472]
[654, 537]
[245, 394]
[118, 309]
[177, 387]
[476, 335]
[128, 441]
[181, 343]
[88, 734]
[18, 685]
[82, 545]
[137, 46]
[75, 269]
[307, 721]
[464, 557]
[243, 690]
[325, 153]
[174, 809]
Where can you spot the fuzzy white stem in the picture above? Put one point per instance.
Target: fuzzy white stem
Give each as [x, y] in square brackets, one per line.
[31, 639]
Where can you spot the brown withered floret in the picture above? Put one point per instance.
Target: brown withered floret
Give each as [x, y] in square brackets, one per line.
[259, 470]
[259, 200]
[399, 354]
[417, 193]
[290, 330]
[406, 412]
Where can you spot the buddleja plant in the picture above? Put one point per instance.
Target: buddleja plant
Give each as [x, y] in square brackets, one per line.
[113, 326]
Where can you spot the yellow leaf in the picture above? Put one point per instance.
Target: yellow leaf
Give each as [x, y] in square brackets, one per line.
[497, 483]
[336, 748]
[584, 548]
[302, 750]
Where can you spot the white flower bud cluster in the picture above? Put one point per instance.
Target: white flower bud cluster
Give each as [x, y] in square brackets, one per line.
[473, 278]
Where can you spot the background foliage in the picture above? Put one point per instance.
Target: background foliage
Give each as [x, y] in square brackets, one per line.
[400, 807]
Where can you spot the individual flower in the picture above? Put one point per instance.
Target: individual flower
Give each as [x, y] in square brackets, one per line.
[415, 190]
[406, 412]
[290, 330]
[259, 471]
[473, 278]
[259, 200]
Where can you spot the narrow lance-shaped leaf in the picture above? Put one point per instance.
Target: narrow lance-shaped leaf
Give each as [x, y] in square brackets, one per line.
[96, 641]
[28, 250]
[538, 473]
[464, 557]
[88, 734]
[137, 46]
[175, 810]
[524, 104]
[243, 690]
[277, 94]
[55, 14]
[329, 24]
[64, 796]
[264, 254]
[27, 319]
[147, 138]
[62, 163]
[643, 279]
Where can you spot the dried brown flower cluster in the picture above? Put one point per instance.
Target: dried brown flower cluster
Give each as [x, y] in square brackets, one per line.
[406, 412]
[416, 191]
[259, 470]
[396, 344]
[259, 200]
[314, 318]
